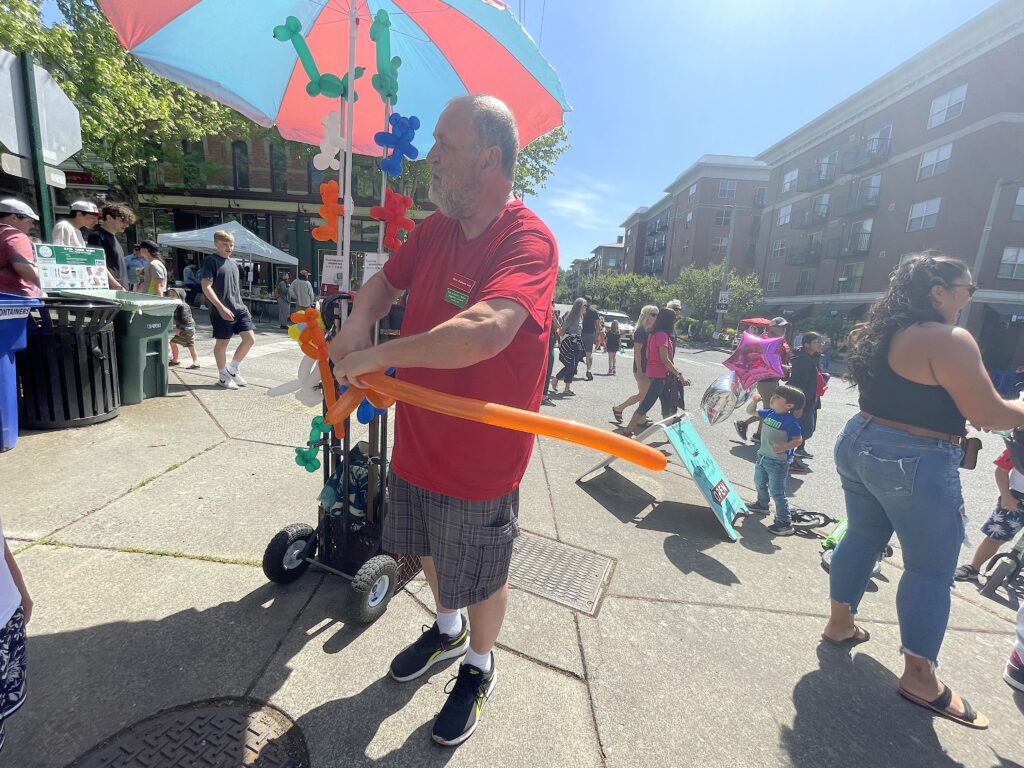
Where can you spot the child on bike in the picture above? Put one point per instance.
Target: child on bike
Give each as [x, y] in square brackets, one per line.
[1004, 523]
[780, 434]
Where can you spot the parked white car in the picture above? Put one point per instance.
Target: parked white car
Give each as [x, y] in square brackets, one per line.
[625, 324]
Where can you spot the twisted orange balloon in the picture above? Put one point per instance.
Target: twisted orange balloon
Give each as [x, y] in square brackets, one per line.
[383, 391]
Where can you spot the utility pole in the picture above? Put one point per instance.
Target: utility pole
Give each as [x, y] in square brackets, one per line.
[725, 266]
[983, 243]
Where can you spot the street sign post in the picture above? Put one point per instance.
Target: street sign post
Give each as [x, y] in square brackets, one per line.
[723, 301]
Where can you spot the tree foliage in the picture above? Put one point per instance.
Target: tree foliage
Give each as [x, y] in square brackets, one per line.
[698, 291]
[127, 112]
[536, 161]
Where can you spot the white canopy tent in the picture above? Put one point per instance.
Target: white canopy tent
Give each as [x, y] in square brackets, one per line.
[247, 244]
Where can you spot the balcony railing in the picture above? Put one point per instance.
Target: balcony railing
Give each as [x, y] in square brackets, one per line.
[813, 216]
[858, 244]
[866, 154]
[818, 175]
[809, 253]
[866, 199]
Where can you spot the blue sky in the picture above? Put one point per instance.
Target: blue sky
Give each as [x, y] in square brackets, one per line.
[655, 84]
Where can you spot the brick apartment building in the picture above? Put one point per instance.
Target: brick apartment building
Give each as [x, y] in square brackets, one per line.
[716, 201]
[929, 156]
[604, 258]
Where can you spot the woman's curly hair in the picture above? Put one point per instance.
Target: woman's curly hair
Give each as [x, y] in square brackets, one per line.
[907, 302]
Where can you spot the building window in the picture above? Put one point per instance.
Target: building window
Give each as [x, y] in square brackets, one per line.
[686, 246]
[760, 195]
[785, 213]
[947, 106]
[805, 282]
[240, 164]
[934, 162]
[689, 220]
[1018, 206]
[774, 278]
[850, 280]
[868, 190]
[779, 249]
[924, 215]
[827, 165]
[819, 207]
[278, 168]
[723, 217]
[905, 257]
[726, 188]
[789, 180]
[719, 245]
[693, 192]
[1012, 265]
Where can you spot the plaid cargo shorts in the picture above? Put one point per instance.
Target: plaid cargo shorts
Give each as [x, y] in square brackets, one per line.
[470, 542]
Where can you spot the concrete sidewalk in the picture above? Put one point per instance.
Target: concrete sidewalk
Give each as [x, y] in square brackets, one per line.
[141, 541]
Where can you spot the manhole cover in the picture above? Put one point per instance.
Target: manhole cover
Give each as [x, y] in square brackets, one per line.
[218, 733]
[567, 575]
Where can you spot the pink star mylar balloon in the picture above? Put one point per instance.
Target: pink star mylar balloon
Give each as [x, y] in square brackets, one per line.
[755, 359]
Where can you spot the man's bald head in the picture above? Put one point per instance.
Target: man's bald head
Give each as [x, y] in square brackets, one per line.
[494, 125]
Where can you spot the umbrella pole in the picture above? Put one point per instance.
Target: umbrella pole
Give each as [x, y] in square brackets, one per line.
[383, 198]
[346, 181]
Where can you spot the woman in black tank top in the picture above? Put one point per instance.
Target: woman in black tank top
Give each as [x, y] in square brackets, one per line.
[898, 460]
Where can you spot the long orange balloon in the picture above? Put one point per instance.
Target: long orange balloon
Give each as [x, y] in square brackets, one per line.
[517, 419]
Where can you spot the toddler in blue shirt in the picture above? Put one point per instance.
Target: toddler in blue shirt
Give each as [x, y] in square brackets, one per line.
[780, 434]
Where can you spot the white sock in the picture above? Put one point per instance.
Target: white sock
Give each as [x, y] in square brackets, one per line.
[233, 367]
[224, 373]
[481, 661]
[449, 623]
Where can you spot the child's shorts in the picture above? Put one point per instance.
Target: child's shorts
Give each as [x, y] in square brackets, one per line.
[12, 668]
[184, 336]
[1003, 524]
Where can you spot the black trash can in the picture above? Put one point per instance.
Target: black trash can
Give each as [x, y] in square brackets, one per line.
[67, 373]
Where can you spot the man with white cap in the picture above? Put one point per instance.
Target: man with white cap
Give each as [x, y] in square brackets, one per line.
[84, 215]
[18, 273]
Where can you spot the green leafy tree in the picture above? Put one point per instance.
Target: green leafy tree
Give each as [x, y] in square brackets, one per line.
[698, 289]
[536, 161]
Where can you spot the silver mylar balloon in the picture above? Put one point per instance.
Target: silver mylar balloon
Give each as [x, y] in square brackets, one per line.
[721, 398]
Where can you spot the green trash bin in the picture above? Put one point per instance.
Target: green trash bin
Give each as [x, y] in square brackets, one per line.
[141, 330]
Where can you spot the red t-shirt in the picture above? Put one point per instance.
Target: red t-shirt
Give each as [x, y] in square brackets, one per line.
[516, 259]
[15, 247]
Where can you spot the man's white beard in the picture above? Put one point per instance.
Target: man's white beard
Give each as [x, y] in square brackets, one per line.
[452, 204]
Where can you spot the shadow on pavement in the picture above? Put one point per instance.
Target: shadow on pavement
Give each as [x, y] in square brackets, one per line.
[848, 712]
[617, 494]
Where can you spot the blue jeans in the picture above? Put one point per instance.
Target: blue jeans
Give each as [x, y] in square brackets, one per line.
[895, 481]
[770, 476]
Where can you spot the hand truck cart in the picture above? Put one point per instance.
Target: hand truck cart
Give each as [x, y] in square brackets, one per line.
[353, 504]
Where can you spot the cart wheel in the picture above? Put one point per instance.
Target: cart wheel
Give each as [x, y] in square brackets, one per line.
[1001, 575]
[282, 561]
[374, 585]
[826, 559]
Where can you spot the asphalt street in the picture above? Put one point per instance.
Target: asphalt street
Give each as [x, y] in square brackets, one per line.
[819, 489]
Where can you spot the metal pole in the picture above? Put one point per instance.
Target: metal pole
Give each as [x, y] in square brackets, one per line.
[983, 245]
[346, 168]
[725, 267]
[28, 78]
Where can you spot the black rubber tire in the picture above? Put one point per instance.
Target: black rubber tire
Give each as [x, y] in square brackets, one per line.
[998, 576]
[273, 556]
[368, 606]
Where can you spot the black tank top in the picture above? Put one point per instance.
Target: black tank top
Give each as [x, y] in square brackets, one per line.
[888, 395]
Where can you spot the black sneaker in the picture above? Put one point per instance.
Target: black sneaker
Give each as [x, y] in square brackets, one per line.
[459, 716]
[759, 508]
[1014, 674]
[428, 650]
[965, 572]
[780, 529]
[741, 429]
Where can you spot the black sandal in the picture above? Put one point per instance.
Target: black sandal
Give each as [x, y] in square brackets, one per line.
[860, 635]
[940, 706]
[617, 414]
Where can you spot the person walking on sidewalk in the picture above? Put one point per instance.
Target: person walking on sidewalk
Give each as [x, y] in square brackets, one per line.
[184, 329]
[480, 275]
[154, 276]
[68, 232]
[660, 351]
[920, 378]
[590, 326]
[284, 304]
[571, 349]
[18, 271]
[643, 327]
[301, 292]
[780, 434]
[765, 387]
[612, 339]
[228, 315]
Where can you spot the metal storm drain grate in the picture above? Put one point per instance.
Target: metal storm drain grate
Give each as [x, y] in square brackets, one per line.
[218, 733]
[567, 575]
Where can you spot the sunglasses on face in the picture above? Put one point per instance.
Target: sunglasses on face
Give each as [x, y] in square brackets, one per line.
[970, 287]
